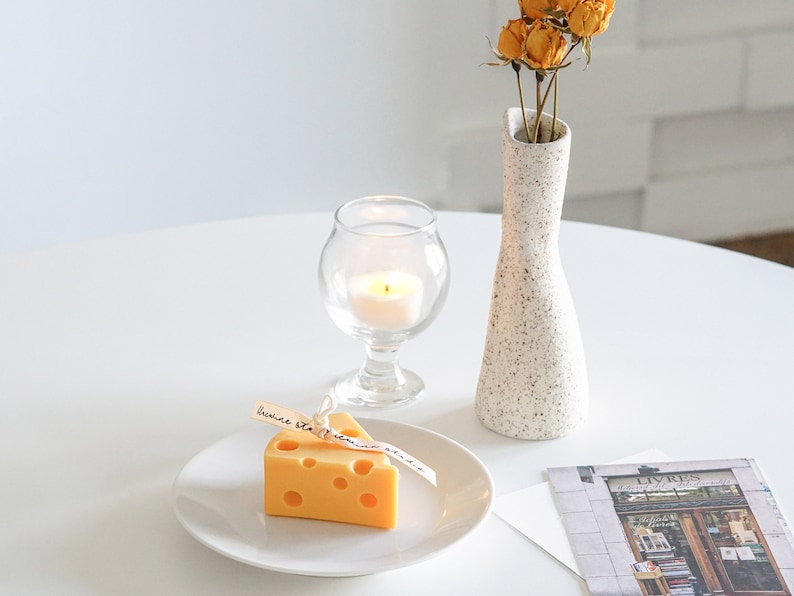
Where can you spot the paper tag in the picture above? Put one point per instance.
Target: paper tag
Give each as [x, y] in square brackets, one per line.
[318, 426]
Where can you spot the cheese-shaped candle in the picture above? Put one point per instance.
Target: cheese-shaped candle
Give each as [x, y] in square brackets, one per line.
[308, 477]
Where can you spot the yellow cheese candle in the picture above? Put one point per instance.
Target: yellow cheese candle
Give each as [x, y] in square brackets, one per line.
[386, 299]
[308, 477]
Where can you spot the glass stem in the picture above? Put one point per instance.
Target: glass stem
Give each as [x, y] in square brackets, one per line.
[381, 372]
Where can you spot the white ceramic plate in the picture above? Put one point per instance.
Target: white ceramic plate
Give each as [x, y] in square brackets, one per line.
[218, 498]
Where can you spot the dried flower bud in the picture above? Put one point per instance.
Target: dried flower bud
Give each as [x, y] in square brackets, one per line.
[534, 9]
[590, 17]
[567, 5]
[512, 39]
[545, 46]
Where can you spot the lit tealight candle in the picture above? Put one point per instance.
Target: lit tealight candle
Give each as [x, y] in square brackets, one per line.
[386, 299]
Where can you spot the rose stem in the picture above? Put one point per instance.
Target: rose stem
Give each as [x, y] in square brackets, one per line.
[517, 68]
[539, 103]
[554, 119]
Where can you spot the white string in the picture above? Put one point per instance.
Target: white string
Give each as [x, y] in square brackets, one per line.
[320, 426]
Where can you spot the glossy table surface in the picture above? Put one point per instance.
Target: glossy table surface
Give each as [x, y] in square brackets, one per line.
[122, 358]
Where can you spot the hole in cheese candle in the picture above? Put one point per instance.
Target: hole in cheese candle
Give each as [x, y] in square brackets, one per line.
[386, 299]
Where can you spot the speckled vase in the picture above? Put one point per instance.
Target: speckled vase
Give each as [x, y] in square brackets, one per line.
[533, 379]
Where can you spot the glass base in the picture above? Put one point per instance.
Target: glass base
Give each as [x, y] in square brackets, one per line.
[360, 389]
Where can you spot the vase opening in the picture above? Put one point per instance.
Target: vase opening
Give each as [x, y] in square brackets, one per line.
[519, 132]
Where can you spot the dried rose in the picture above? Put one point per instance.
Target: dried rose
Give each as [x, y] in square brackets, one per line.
[545, 46]
[590, 17]
[534, 9]
[512, 39]
[567, 5]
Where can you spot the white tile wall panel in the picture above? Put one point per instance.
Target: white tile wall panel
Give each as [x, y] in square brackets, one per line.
[781, 548]
[608, 154]
[678, 20]
[622, 557]
[657, 82]
[597, 566]
[603, 586]
[721, 140]
[788, 575]
[623, 32]
[472, 167]
[628, 586]
[610, 526]
[623, 210]
[688, 78]
[721, 204]
[589, 544]
[770, 75]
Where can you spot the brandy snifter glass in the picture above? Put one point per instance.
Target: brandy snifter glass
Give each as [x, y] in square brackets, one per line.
[384, 277]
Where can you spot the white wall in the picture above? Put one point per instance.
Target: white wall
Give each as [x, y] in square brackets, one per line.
[125, 115]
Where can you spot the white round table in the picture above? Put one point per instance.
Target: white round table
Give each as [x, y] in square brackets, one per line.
[122, 358]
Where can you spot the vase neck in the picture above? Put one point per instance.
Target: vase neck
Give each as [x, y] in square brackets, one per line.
[534, 184]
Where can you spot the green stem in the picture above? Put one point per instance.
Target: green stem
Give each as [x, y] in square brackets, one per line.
[554, 119]
[538, 104]
[541, 103]
[517, 68]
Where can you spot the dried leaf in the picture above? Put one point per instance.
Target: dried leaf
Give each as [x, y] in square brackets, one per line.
[586, 49]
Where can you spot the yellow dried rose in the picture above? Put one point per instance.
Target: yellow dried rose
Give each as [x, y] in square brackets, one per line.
[567, 5]
[590, 17]
[541, 41]
[545, 46]
[512, 39]
[534, 9]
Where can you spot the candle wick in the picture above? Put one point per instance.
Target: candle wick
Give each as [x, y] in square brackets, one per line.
[387, 288]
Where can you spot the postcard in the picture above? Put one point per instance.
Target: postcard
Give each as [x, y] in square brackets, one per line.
[685, 528]
[533, 512]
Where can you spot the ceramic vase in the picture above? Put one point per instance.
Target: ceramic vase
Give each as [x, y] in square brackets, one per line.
[533, 379]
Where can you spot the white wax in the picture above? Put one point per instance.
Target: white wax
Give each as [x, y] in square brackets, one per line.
[386, 299]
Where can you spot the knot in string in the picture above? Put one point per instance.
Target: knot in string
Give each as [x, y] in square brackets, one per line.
[320, 426]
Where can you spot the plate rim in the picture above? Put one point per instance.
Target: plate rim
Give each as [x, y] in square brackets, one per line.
[484, 514]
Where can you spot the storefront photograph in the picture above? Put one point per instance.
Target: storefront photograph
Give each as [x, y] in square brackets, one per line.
[684, 528]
